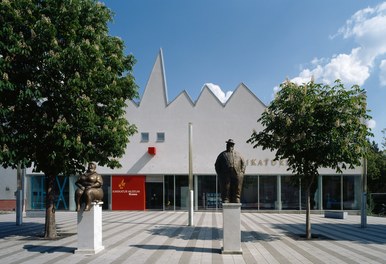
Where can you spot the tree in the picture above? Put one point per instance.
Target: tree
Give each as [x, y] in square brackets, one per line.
[376, 170]
[64, 83]
[376, 177]
[313, 126]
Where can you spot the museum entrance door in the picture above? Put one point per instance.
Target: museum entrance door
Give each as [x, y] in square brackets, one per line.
[154, 195]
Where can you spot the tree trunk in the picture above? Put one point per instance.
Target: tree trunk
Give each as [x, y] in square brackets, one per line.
[50, 224]
[308, 207]
[308, 213]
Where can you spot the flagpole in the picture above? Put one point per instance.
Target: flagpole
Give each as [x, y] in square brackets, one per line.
[190, 176]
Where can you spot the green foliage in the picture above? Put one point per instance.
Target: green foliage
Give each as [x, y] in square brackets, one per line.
[370, 206]
[314, 126]
[63, 86]
[376, 170]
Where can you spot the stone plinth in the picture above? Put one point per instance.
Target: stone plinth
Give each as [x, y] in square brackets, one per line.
[90, 230]
[231, 228]
[335, 214]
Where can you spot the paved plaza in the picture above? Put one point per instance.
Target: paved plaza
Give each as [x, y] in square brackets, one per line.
[164, 237]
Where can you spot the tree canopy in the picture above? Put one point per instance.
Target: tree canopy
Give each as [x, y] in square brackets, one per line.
[315, 125]
[376, 170]
[64, 83]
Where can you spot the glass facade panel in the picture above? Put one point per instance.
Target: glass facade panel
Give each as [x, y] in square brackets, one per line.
[169, 192]
[267, 192]
[154, 192]
[332, 193]
[259, 193]
[289, 194]
[61, 193]
[182, 192]
[106, 193]
[37, 193]
[207, 196]
[250, 194]
[314, 200]
[351, 192]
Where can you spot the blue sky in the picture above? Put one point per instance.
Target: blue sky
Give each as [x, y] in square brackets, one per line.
[260, 43]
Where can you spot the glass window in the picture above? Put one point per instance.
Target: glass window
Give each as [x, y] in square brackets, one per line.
[154, 194]
[351, 192]
[332, 192]
[106, 187]
[289, 193]
[207, 196]
[182, 192]
[160, 136]
[144, 137]
[314, 191]
[169, 192]
[250, 194]
[61, 192]
[37, 193]
[267, 192]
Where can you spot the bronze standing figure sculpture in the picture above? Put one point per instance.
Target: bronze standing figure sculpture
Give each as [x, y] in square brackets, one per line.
[230, 168]
[89, 188]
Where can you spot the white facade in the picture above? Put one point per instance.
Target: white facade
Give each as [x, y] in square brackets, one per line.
[164, 169]
[213, 123]
[8, 183]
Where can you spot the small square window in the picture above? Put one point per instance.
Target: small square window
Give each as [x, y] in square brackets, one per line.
[160, 136]
[144, 137]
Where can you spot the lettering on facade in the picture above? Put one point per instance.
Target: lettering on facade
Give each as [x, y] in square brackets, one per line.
[129, 192]
[134, 192]
[266, 162]
[120, 191]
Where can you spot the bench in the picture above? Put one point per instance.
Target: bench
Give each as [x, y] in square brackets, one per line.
[35, 213]
[335, 214]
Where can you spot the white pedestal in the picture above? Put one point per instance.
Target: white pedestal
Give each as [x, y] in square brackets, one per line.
[90, 230]
[231, 228]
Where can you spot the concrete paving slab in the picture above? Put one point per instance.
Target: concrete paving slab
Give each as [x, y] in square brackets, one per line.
[164, 237]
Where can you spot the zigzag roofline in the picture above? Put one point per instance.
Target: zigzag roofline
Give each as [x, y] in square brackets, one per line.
[248, 90]
[184, 93]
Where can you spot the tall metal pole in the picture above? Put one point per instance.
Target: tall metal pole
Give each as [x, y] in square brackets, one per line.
[364, 195]
[19, 196]
[190, 176]
[364, 182]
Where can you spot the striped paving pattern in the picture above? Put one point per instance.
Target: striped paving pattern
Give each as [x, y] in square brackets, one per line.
[164, 237]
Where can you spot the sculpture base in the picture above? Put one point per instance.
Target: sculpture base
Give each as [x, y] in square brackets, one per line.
[231, 228]
[90, 230]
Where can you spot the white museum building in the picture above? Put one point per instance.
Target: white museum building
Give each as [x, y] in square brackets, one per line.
[155, 168]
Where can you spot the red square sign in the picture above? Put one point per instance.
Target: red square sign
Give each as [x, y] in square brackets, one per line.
[128, 192]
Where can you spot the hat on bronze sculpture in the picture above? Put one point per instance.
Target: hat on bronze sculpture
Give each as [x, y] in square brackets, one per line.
[230, 141]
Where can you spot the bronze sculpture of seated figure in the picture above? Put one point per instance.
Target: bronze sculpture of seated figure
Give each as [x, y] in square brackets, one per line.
[89, 188]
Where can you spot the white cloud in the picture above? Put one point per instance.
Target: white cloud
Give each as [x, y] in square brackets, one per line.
[371, 123]
[276, 89]
[346, 67]
[306, 75]
[223, 97]
[368, 29]
[382, 75]
[349, 68]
